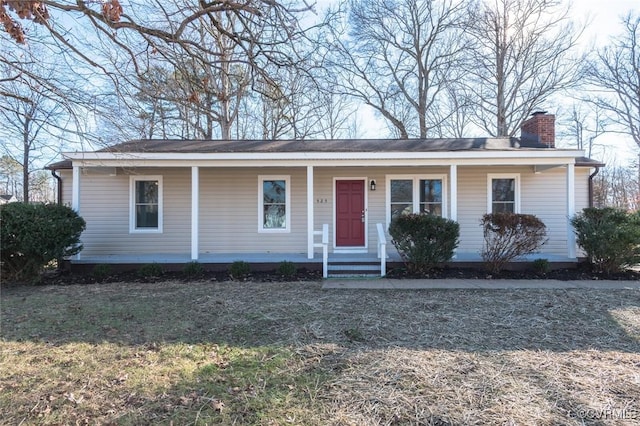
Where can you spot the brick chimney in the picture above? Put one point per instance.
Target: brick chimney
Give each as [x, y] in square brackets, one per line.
[541, 127]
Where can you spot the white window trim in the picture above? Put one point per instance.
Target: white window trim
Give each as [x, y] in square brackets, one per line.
[416, 192]
[287, 182]
[490, 177]
[132, 204]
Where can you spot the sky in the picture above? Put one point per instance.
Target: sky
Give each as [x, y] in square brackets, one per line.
[604, 18]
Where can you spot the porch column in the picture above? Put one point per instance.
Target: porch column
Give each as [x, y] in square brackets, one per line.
[75, 194]
[75, 190]
[195, 206]
[310, 212]
[571, 210]
[453, 175]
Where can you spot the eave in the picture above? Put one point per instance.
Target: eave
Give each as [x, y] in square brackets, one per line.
[252, 159]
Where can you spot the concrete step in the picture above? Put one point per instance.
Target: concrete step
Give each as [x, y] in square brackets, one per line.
[351, 269]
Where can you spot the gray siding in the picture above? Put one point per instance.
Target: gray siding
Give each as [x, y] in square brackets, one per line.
[104, 204]
[66, 177]
[229, 207]
[229, 212]
[542, 194]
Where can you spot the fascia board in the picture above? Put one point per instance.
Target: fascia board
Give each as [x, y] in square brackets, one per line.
[324, 156]
[557, 161]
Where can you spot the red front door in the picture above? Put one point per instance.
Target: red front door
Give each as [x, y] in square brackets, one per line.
[349, 213]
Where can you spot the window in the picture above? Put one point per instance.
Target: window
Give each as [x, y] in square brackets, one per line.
[431, 196]
[503, 193]
[415, 194]
[401, 197]
[146, 204]
[274, 209]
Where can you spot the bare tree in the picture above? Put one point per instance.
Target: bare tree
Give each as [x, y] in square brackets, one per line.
[24, 119]
[10, 176]
[398, 57]
[208, 88]
[583, 126]
[521, 55]
[41, 188]
[42, 109]
[617, 186]
[337, 114]
[142, 30]
[615, 72]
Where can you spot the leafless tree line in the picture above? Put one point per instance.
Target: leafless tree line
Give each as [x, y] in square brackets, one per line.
[265, 69]
[617, 186]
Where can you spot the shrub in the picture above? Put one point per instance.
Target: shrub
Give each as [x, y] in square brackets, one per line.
[33, 235]
[424, 240]
[101, 271]
[193, 269]
[540, 266]
[239, 270]
[609, 237]
[286, 269]
[508, 236]
[150, 270]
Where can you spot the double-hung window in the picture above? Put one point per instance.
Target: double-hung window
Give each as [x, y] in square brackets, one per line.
[146, 204]
[415, 194]
[274, 206]
[503, 191]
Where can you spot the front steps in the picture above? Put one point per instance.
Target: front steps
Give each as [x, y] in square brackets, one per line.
[348, 267]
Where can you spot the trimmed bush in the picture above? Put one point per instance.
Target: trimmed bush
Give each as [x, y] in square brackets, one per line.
[150, 270]
[239, 270]
[508, 236]
[540, 266]
[609, 237]
[33, 235]
[424, 240]
[286, 269]
[193, 269]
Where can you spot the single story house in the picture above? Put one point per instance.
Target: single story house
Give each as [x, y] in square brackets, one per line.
[315, 201]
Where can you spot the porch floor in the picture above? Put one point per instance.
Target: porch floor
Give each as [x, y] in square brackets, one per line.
[226, 258]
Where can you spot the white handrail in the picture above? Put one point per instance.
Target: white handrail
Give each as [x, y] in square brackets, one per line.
[382, 249]
[325, 248]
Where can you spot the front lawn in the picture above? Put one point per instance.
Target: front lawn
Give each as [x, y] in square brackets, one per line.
[292, 353]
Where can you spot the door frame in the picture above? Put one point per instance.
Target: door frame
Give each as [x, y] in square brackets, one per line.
[358, 249]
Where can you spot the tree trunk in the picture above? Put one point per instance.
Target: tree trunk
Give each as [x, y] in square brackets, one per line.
[25, 160]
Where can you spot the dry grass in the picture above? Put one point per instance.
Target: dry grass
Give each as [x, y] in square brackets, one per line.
[274, 353]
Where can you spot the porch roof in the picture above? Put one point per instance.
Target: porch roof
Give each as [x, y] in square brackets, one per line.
[161, 152]
[321, 145]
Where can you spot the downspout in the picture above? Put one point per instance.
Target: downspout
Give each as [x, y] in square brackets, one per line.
[59, 186]
[591, 176]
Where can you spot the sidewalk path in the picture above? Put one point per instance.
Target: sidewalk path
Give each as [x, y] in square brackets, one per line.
[416, 284]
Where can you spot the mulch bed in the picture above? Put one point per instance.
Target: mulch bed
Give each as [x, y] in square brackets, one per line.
[582, 272]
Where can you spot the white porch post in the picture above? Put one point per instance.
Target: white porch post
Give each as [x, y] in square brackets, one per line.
[195, 216]
[310, 212]
[571, 210]
[453, 173]
[453, 214]
[75, 190]
[75, 194]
